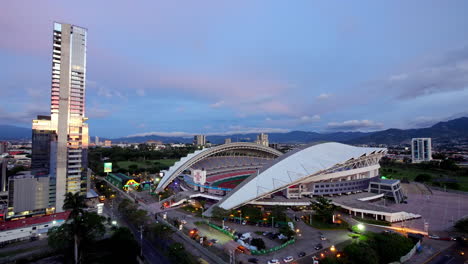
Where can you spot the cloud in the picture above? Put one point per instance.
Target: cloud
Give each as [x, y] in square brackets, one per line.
[23, 116]
[324, 96]
[217, 104]
[428, 121]
[96, 112]
[307, 119]
[352, 125]
[446, 73]
[140, 92]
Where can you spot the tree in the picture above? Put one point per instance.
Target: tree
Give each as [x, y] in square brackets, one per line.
[177, 254]
[423, 177]
[259, 243]
[390, 247]
[323, 208]
[75, 203]
[219, 213]
[124, 246]
[77, 234]
[286, 230]
[357, 253]
[462, 225]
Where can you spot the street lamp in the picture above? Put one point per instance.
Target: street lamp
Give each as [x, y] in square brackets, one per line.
[361, 227]
[272, 221]
[240, 216]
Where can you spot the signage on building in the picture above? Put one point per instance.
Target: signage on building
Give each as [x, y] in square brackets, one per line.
[100, 208]
[108, 167]
[199, 176]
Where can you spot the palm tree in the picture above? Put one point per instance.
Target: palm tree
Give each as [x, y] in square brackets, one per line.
[75, 203]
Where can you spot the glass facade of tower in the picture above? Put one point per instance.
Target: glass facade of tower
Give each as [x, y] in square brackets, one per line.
[68, 109]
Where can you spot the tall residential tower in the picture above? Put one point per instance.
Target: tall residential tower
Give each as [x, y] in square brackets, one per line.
[421, 150]
[68, 152]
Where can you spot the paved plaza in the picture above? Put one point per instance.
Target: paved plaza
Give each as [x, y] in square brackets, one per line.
[440, 210]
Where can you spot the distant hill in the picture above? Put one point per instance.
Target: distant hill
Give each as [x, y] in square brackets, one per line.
[454, 131]
[289, 137]
[8, 132]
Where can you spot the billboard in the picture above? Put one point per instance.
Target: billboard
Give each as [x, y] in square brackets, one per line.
[108, 167]
[199, 176]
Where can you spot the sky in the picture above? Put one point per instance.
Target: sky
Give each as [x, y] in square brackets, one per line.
[220, 67]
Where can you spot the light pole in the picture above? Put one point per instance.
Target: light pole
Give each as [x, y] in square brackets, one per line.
[240, 216]
[272, 221]
[141, 240]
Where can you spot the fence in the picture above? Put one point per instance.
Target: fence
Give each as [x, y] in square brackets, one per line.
[411, 253]
[266, 251]
[221, 230]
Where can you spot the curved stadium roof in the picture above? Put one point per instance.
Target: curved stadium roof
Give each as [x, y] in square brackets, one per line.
[292, 168]
[192, 158]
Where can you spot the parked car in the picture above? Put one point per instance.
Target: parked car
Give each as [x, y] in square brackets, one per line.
[434, 236]
[322, 237]
[273, 261]
[318, 246]
[288, 259]
[253, 260]
[301, 254]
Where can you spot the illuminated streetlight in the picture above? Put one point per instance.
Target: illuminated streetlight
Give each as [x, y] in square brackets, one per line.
[332, 248]
[361, 227]
[114, 222]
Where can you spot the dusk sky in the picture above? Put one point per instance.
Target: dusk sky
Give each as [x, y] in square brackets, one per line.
[217, 67]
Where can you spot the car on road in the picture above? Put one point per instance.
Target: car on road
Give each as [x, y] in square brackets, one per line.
[288, 259]
[273, 261]
[253, 260]
[322, 237]
[301, 254]
[318, 246]
[214, 240]
[434, 236]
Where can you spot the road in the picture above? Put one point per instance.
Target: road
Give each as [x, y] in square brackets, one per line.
[150, 253]
[451, 256]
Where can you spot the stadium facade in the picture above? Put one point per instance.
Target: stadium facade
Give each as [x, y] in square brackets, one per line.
[240, 173]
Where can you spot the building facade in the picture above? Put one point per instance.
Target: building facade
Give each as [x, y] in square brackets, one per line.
[60, 141]
[199, 140]
[421, 150]
[27, 193]
[262, 139]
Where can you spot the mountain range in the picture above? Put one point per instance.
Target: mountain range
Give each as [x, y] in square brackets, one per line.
[455, 130]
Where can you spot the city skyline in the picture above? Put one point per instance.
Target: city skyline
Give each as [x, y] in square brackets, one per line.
[216, 67]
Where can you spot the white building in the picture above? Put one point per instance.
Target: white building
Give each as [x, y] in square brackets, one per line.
[421, 150]
[199, 140]
[27, 193]
[262, 139]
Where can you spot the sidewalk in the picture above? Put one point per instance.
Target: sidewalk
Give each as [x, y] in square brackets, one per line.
[430, 248]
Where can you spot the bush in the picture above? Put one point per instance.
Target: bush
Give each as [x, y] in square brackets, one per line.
[259, 243]
[423, 178]
[360, 253]
[462, 225]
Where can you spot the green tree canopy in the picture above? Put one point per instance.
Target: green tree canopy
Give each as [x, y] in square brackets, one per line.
[323, 208]
[357, 253]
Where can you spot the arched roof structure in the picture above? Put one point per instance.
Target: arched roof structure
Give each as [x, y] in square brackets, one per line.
[192, 158]
[307, 164]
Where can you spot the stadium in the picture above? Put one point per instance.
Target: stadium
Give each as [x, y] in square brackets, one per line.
[239, 173]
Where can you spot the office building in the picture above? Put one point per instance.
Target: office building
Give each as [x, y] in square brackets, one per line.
[421, 150]
[107, 143]
[199, 140]
[27, 193]
[227, 140]
[3, 175]
[262, 139]
[62, 139]
[96, 141]
[3, 147]
[42, 136]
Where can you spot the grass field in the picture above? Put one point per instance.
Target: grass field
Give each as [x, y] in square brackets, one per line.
[147, 163]
[409, 172]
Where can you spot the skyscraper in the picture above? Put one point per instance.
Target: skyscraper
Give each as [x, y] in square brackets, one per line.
[421, 150]
[262, 139]
[68, 153]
